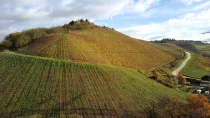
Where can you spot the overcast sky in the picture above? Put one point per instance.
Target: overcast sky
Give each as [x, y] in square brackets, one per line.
[142, 19]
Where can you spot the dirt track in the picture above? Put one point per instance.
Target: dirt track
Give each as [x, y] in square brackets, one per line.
[175, 72]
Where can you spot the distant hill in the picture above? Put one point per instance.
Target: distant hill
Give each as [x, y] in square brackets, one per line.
[198, 47]
[199, 65]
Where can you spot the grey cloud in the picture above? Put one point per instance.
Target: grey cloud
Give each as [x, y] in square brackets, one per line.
[208, 32]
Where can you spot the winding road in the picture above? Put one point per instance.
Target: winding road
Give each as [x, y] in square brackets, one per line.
[175, 72]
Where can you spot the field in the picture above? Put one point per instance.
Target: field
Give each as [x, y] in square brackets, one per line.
[203, 48]
[197, 67]
[100, 46]
[34, 86]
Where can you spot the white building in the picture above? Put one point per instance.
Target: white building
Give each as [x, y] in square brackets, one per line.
[198, 91]
[206, 92]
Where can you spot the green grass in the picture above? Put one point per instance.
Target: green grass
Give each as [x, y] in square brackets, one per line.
[195, 68]
[203, 48]
[45, 87]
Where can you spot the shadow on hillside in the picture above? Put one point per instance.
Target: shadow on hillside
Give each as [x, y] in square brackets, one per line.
[51, 112]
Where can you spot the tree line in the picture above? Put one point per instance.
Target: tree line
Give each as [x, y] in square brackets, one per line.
[168, 40]
[186, 44]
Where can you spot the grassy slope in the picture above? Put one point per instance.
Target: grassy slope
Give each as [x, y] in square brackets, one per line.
[31, 85]
[100, 46]
[203, 48]
[197, 67]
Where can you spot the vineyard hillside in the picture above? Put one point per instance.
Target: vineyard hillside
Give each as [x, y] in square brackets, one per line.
[34, 86]
[102, 46]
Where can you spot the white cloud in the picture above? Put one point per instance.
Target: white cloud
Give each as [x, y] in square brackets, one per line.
[140, 6]
[66, 8]
[17, 10]
[188, 27]
[20, 3]
[187, 2]
[104, 8]
[23, 14]
[35, 13]
[202, 6]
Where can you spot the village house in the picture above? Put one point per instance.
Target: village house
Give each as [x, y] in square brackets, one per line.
[205, 81]
[193, 81]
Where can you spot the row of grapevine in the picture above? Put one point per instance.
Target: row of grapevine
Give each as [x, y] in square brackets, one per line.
[100, 46]
[44, 87]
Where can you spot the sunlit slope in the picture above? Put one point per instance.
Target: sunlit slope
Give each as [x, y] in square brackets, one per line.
[100, 46]
[170, 48]
[37, 86]
[197, 67]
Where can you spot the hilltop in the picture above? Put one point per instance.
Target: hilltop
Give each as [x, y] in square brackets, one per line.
[82, 41]
[20, 39]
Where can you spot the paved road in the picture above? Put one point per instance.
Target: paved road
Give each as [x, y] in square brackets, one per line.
[175, 72]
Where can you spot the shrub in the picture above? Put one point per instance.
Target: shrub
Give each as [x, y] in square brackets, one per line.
[6, 44]
[199, 106]
[163, 77]
[79, 25]
[166, 107]
[181, 79]
[55, 30]
[35, 33]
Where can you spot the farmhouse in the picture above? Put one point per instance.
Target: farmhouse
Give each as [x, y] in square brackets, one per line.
[193, 81]
[205, 81]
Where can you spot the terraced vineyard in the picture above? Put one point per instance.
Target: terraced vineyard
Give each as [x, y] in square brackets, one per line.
[36, 86]
[170, 48]
[100, 46]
